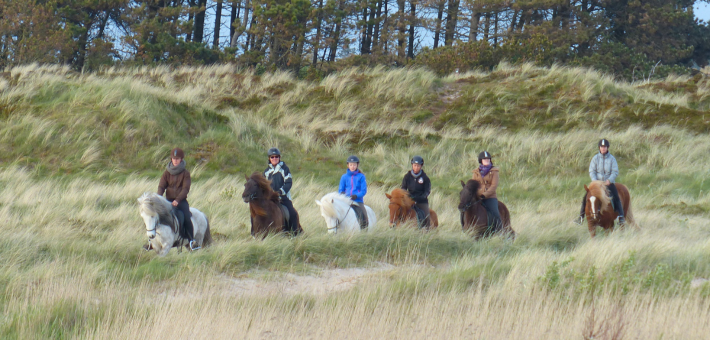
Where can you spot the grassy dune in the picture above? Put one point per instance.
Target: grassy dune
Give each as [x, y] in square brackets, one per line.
[77, 150]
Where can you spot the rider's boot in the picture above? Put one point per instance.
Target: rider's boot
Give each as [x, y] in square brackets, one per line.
[579, 220]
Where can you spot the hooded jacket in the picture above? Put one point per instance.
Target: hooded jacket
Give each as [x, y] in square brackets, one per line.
[603, 167]
[419, 188]
[281, 179]
[353, 183]
[488, 183]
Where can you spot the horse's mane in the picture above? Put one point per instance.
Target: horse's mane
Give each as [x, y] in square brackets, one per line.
[401, 198]
[330, 207]
[265, 186]
[600, 191]
[472, 186]
[151, 202]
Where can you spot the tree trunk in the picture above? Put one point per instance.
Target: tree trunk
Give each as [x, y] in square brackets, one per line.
[439, 16]
[410, 52]
[217, 24]
[487, 27]
[401, 28]
[473, 33]
[376, 34]
[233, 18]
[370, 27]
[452, 16]
[316, 43]
[190, 17]
[336, 37]
[200, 21]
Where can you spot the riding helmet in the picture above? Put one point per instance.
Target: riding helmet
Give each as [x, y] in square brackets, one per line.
[274, 152]
[353, 159]
[604, 142]
[483, 155]
[177, 153]
[418, 160]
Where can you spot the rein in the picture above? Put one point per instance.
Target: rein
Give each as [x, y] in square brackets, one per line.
[341, 221]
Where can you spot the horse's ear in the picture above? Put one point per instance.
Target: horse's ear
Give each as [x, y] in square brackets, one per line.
[246, 177]
[389, 197]
[318, 202]
[332, 200]
[585, 188]
[463, 185]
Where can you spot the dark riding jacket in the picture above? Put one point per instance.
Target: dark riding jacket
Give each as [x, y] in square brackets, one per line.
[175, 187]
[281, 179]
[418, 187]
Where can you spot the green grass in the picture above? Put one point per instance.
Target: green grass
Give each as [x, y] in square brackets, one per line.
[77, 150]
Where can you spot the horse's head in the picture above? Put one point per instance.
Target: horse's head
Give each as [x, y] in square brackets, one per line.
[149, 213]
[256, 187]
[333, 207]
[400, 203]
[469, 194]
[598, 199]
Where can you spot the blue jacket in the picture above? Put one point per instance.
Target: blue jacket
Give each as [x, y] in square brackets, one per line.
[353, 183]
[603, 167]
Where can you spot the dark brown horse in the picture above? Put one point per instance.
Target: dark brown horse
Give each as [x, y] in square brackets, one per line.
[599, 210]
[401, 209]
[475, 216]
[264, 206]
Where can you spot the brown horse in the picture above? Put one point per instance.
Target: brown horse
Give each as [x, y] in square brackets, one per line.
[264, 206]
[401, 209]
[599, 210]
[474, 217]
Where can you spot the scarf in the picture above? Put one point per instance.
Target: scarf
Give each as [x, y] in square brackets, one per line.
[485, 169]
[176, 170]
[416, 175]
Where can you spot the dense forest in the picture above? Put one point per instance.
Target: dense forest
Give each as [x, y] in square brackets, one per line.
[632, 39]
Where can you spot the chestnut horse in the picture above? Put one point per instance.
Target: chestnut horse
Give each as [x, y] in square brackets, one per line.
[264, 206]
[402, 210]
[599, 209]
[474, 217]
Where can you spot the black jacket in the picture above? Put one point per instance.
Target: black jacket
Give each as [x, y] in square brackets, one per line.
[419, 188]
[280, 177]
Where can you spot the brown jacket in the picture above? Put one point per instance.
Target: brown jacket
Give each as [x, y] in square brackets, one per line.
[489, 183]
[175, 187]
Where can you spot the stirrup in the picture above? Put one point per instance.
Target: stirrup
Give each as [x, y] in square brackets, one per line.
[622, 220]
[194, 246]
[578, 220]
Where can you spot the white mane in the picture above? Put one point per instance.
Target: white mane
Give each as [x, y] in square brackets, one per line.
[335, 204]
[154, 204]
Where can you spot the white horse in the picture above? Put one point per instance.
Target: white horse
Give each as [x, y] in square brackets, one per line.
[161, 224]
[339, 216]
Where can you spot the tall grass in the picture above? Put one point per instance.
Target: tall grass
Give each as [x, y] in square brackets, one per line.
[79, 149]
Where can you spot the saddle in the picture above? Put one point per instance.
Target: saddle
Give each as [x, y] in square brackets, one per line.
[361, 215]
[421, 215]
[286, 216]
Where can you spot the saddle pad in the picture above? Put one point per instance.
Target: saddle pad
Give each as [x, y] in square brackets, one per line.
[284, 212]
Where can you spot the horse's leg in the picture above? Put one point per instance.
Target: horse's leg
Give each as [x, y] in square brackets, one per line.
[592, 227]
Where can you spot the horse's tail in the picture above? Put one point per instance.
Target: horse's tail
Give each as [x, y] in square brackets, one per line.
[207, 239]
[630, 216]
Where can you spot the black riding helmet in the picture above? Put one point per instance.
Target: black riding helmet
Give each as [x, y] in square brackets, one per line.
[418, 160]
[483, 155]
[274, 152]
[353, 159]
[604, 142]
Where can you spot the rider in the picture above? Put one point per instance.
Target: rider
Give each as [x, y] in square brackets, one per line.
[353, 184]
[417, 183]
[604, 168]
[175, 183]
[281, 180]
[487, 175]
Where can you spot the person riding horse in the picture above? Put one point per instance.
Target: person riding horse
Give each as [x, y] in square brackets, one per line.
[354, 185]
[418, 185]
[175, 183]
[487, 175]
[603, 167]
[281, 180]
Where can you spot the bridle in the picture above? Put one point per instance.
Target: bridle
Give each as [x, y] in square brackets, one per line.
[335, 229]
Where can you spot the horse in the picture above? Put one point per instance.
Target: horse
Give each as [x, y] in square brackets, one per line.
[402, 209]
[599, 209]
[339, 215]
[267, 213]
[474, 217]
[162, 225]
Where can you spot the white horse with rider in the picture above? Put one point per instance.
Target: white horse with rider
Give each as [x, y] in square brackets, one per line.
[162, 225]
[339, 215]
